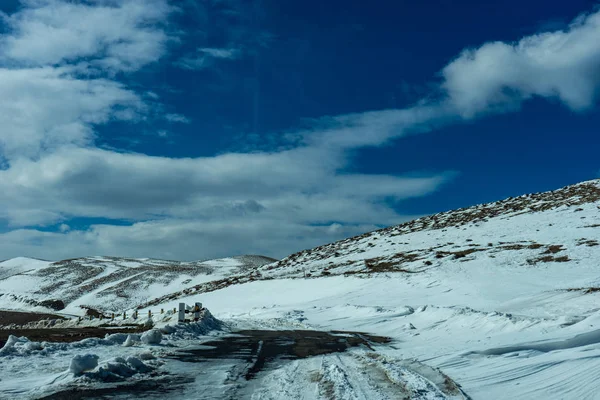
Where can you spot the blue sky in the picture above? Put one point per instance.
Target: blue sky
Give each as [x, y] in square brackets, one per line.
[199, 129]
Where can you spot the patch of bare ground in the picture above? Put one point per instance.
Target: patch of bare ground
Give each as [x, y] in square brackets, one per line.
[53, 304]
[587, 242]
[22, 318]
[390, 264]
[535, 246]
[456, 254]
[553, 249]
[587, 290]
[549, 258]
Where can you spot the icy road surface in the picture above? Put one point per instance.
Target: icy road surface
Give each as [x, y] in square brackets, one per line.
[293, 364]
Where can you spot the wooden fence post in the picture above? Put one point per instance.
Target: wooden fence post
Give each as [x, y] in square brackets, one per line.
[197, 308]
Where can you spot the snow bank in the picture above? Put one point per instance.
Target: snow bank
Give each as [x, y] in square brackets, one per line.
[152, 336]
[130, 341]
[115, 369]
[12, 345]
[584, 339]
[138, 364]
[190, 330]
[21, 346]
[83, 363]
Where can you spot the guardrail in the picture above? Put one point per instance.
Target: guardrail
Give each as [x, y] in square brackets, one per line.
[184, 309]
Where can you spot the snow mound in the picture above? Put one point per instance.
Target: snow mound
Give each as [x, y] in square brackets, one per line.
[113, 370]
[130, 341]
[83, 363]
[12, 345]
[118, 369]
[138, 364]
[153, 336]
[192, 330]
[581, 340]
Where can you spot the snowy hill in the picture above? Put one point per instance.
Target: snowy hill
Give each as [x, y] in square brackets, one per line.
[558, 226]
[501, 297]
[534, 230]
[105, 283]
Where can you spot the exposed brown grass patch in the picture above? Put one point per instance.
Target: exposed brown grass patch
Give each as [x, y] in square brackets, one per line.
[553, 249]
[588, 290]
[548, 258]
[588, 242]
[463, 253]
[535, 246]
[456, 254]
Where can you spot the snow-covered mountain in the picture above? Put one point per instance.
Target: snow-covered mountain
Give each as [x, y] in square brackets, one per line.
[530, 230]
[106, 283]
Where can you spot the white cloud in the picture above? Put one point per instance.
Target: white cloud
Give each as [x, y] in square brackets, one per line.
[302, 185]
[499, 76]
[57, 62]
[45, 108]
[229, 54]
[206, 57]
[176, 239]
[496, 77]
[120, 35]
[375, 128]
[269, 203]
[264, 202]
[182, 119]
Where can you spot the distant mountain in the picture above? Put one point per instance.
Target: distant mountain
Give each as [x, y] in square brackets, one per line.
[106, 283]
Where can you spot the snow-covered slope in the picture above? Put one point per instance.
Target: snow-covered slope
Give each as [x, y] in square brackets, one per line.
[502, 297]
[106, 283]
[530, 230]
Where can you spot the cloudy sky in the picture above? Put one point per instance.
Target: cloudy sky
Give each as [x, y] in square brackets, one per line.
[194, 129]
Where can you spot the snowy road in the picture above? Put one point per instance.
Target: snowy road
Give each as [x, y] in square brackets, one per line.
[263, 365]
